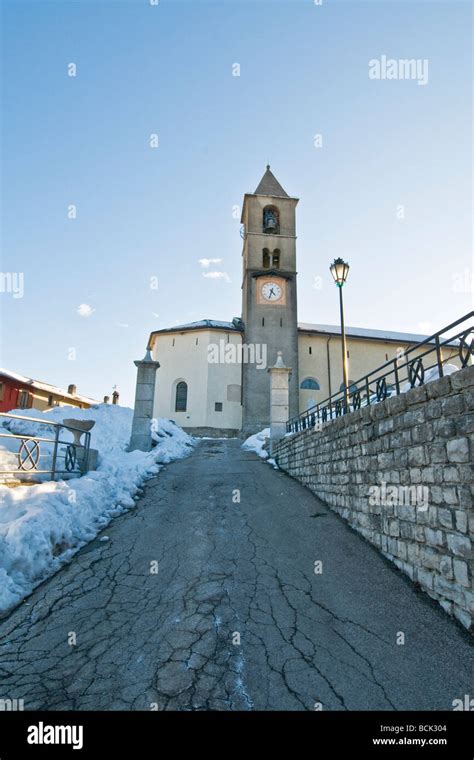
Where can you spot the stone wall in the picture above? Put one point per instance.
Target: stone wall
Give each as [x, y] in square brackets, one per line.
[400, 473]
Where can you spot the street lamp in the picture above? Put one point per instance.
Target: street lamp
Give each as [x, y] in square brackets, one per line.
[339, 270]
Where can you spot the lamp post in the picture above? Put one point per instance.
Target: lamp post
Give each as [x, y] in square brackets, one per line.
[339, 270]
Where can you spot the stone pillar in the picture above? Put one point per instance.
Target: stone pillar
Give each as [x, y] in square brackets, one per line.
[279, 399]
[144, 400]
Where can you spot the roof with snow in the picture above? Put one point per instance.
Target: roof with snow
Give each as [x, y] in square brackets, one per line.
[308, 327]
[201, 324]
[364, 332]
[269, 185]
[47, 387]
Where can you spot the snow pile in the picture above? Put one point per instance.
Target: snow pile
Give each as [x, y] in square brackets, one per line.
[42, 526]
[256, 443]
[432, 374]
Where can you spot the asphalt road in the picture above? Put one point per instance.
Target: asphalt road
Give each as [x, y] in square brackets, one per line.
[231, 572]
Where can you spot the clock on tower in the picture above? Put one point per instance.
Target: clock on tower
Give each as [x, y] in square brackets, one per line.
[271, 290]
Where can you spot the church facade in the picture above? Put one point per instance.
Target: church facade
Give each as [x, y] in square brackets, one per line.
[213, 379]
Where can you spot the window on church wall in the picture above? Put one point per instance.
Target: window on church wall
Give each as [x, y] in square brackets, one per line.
[234, 393]
[310, 384]
[181, 402]
[276, 259]
[218, 406]
[271, 220]
[266, 258]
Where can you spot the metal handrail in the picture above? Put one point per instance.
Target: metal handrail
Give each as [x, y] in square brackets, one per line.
[29, 452]
[335, 405]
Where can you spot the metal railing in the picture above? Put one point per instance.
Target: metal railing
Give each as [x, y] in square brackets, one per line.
[37, 456]
[396, 376]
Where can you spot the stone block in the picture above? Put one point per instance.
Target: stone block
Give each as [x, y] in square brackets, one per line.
[465, 424]
[434, 537]
[458, 450]
[438, 388]
[462, 379]
[446, 567]
[464, 617]
[450, 495]
[425, 577]
[417, 456]
[459, 545]
[396, 404]
[452, 405]
[461, 521]
[416, 395]
[461, 572]
[445, 518]
[437, 452]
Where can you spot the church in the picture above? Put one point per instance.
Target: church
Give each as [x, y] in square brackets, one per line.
[212, 377]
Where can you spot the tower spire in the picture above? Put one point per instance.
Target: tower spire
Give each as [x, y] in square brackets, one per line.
[269, 185]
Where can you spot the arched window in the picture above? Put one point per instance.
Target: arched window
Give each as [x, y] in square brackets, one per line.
[271, 220]
[352, 387]
[310, 384]
[266, 258]
[276, 258]
[181, 397]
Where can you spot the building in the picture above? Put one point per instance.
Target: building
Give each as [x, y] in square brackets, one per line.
[19, 392]
[212, 378]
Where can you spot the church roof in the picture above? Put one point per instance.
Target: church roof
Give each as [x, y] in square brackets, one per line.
[352, 332]
[269, 185]
[201, 324]
[364, 332]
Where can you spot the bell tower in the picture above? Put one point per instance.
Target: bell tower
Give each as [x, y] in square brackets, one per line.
[269, 307]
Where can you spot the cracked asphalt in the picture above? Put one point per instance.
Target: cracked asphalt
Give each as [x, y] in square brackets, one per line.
[231, 571]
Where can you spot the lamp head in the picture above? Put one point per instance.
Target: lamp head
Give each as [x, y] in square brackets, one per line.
[339, 270]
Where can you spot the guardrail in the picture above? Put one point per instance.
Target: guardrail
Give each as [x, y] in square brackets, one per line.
[395, 376]
[32, 453]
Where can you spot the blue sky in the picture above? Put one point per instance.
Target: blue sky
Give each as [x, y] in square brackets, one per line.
[144, 212]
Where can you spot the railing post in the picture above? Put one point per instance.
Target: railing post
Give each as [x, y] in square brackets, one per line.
[55, 452]
[85, 462]
[439, 357]
[397, 379]
[367, 390]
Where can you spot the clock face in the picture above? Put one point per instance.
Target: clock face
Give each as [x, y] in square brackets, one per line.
[272, 292]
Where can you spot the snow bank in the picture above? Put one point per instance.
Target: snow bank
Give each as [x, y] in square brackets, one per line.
[42, 526]
[432, 374]
[256, 442]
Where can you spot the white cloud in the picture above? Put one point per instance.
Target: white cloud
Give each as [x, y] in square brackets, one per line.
[217, 276]
[84, 310]
[122, 324]
[207, 262]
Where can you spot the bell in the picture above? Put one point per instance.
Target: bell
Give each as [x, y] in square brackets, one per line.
[270, 223]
